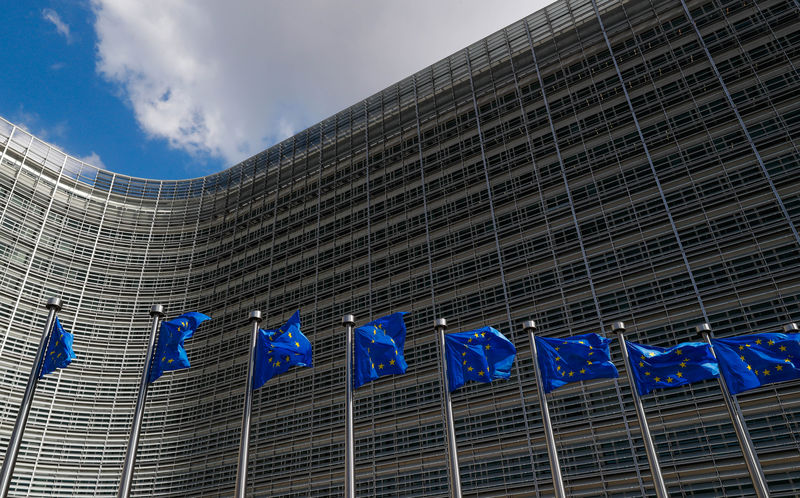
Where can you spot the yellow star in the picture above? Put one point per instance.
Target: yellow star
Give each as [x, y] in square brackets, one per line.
[658, 379]
[558, 367]
[372, 365]
[771, 342]
[59, 355]
[741, 348]
[480, 373]
[53, 352]
[483, 334]
[756, 371]
[297, 344]
[679, 352]
[679, 374]
[786, 360]
[557, 348]
[747, 345]
[749, 367]
[683, 364]
[277, 363]
[766, 372]
[290, 335]
[647, 373]
[558, 358]
[373, 341]
[581, 342]
[470, 339]
[641, 363]
[488, 347]
[588, 362]
[170, 360]
[164, 358]
[783, 348]
[270, 359]
[758, 341]
[651, 354]
[583, 370]
[476, 334]
[380, 366]
[779, 367]
[591, 352]
[56, 344]
[463, 363]
[391, 362]
[741, 357]
[464, 353]
[571, 373]
[669, 380]
[642, 357]
[469, 369]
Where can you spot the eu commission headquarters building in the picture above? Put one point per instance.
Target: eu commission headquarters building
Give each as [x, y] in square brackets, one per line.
[597, 161]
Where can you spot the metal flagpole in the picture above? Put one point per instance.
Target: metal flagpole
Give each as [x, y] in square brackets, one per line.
[748, 450]
[349, 475]
[157, 311]
[440, 325]
[244, 443]
[54, 306]
[652, 457]
[555, 468]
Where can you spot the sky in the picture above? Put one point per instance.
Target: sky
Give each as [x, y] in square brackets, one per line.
[184, 88]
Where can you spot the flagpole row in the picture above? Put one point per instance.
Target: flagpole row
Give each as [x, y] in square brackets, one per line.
[244, 442]
[54, 306]
[156, 312]
[440, 325]
[790, 328]
[745, 443]
[652, 456]
[349, 322]
[552, 452]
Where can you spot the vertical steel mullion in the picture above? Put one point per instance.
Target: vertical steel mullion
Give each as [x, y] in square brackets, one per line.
[498, 249]
[580, 243]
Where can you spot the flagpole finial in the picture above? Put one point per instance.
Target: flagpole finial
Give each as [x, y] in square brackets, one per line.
[348, 320]
[440, 322]
[618, 327]
[790, 328]
[704, 329]
[528, 324]
[157, 310]
[255, 316]
[54, 303]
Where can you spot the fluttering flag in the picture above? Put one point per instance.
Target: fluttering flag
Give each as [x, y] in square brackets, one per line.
[59, 352]
[482, 355]
[279, 349]
[379, 349]
[654, 367]
[580, 357]
[170, 354]
[750, 361]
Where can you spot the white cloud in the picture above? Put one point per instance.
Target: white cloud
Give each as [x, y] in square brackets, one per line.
[94, 160]
[229, 79]
[62, 27]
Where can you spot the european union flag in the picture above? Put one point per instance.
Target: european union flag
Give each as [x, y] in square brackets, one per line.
[277, 350]
[750, 361]
[654, 367]
[482, 355]
[170, 354]
[580, 357]
[59, 352]
[379, 349]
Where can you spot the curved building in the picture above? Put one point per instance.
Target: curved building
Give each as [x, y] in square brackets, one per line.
[597, 161]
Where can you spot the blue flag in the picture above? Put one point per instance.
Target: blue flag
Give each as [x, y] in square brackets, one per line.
[170, 354]
[482, 355]
[379, 349]
[580, 357]
[277, 350]
[750, 361]
[654, 367]
[59, 352]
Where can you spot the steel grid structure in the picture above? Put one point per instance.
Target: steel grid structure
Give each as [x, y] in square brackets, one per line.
[597, 161]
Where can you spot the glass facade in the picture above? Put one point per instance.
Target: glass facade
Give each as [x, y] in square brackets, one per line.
[597, 161]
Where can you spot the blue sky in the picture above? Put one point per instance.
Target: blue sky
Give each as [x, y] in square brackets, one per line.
[181, 89]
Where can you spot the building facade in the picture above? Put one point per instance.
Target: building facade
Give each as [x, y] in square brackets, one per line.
[598, 161]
